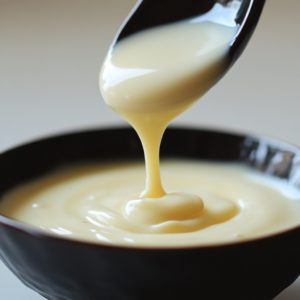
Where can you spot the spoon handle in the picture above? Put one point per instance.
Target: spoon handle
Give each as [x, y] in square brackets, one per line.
[247, 17]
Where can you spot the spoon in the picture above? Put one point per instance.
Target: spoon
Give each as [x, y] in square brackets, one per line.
[241, 13]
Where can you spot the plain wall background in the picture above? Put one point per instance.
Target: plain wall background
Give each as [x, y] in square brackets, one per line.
[50, 56]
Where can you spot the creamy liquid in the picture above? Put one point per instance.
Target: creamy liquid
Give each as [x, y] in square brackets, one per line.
[153, 76]
[149, 79]
[89, 203]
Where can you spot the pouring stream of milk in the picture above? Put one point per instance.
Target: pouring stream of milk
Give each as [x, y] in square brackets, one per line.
[152, 77]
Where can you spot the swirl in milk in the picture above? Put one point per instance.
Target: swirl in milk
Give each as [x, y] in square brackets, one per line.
[89, 203]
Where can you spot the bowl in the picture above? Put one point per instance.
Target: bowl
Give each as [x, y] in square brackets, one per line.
[64, 269]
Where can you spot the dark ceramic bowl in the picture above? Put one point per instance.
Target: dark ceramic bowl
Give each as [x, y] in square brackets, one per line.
[61, 269]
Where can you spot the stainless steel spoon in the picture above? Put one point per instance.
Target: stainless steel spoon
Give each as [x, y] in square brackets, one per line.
[242, 13]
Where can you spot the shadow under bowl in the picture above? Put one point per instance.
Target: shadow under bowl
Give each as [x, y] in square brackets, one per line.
[63, 269]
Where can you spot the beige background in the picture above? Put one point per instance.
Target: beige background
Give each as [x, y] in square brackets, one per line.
[50, 56]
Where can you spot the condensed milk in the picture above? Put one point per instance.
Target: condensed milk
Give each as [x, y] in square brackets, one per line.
[89, 203]
[155, 75]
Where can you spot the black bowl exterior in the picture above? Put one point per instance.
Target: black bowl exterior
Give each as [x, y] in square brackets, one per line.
[61, 269]
[65, 270]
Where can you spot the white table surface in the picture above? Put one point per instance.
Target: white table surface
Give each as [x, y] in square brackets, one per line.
[50, 56]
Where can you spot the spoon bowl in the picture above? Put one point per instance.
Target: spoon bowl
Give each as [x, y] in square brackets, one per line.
[244, 14]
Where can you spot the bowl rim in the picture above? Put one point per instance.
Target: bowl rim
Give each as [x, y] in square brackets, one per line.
[33, 231]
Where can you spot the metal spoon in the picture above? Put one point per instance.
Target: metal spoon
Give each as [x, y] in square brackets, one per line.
[242, 13]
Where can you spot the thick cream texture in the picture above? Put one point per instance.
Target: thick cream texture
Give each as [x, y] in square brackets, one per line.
[155, 75]
[89, 203]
